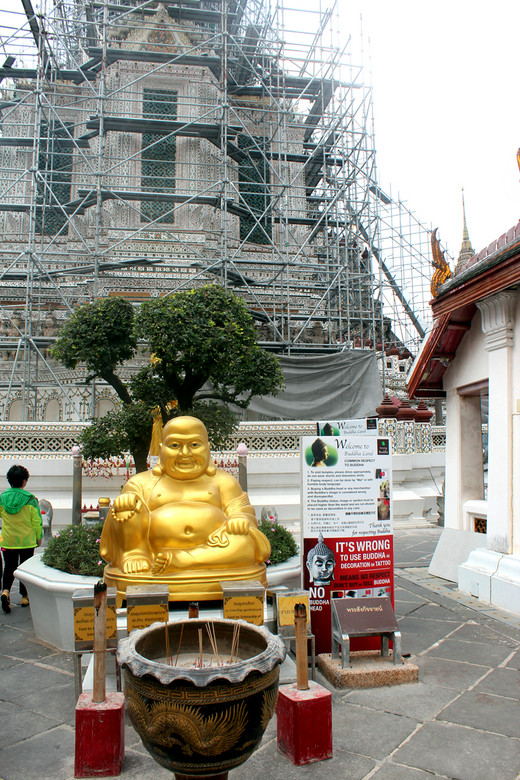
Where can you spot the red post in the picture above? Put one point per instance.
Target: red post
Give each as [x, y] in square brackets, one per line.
[100, 718]
[304, 710]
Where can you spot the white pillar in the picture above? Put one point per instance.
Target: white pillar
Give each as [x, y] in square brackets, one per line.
[498, 313]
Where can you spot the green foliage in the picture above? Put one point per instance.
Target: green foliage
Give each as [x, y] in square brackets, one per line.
[282, 541]
[126, 429]
[205, 347]
[75, 550]
[205, 356]
[99, 334]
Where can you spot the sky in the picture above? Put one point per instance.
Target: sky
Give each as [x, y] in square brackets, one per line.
[445, 77]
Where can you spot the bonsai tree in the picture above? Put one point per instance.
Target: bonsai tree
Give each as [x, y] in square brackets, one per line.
[204, 347]
[204, 356]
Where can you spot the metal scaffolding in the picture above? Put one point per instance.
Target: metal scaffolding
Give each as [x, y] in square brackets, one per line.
[146, 148]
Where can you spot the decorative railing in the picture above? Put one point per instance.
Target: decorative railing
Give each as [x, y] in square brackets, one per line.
[48, 440]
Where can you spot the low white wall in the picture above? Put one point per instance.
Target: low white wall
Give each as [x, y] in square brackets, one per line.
[272, 481]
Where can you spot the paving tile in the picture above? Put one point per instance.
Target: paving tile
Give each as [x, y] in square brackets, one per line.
[48, 756]
[57, 702]
[433, 611]
[456, 675]
[18, 724]
[368, 732]
[514, 662]
[501, 682]
[418, 635]
[496, 714]
[489, 654]
[399, 772]
[137, 766]
[7, 663]
[268, 762]
[474, 631]
[19, 643]
[27, 678]
[418, 701]
[461, 753]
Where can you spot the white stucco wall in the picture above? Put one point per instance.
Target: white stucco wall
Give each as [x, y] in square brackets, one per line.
[481, 356]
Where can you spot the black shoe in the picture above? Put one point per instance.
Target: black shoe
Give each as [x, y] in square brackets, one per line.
[6, 602]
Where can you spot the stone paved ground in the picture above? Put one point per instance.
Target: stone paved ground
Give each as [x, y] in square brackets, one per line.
[460, 721]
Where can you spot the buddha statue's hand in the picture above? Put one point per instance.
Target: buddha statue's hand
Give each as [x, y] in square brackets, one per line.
[125, 507]
[238, 526]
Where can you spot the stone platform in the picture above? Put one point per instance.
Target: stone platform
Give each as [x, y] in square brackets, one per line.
[368, 669]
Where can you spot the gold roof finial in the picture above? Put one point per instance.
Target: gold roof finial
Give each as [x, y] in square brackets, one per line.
[466, 250]
[442, 270]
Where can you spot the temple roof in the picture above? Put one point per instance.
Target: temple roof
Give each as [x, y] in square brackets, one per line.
[495, 268]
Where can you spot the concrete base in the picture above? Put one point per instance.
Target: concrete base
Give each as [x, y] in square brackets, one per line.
[505, 585]
[493, 578]
[100, 736]
[476, 573]
[368, 669]
[304, 723]
[452, 549]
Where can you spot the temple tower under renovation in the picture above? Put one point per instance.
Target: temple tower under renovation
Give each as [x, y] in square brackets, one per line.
[146, 148]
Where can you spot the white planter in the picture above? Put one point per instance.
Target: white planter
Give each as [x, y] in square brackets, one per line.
[50, 595]
[288, 573]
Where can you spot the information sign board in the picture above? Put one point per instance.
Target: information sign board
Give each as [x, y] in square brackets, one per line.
[347, 523]
[366, 426]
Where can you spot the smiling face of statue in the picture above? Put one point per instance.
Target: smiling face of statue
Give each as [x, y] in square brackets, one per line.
[184, 452]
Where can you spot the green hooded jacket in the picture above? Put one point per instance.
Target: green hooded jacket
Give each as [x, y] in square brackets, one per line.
[21, 519]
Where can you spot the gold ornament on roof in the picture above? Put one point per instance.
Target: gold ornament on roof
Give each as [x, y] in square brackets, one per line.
[442, 270]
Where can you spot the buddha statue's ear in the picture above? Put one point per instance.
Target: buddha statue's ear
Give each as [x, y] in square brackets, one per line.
[157, 470]
[211, 470]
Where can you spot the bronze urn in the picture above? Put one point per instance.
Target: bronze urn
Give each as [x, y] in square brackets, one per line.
[200, 693]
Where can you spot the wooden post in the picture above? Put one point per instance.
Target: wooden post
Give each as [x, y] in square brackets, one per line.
[77, 466]
[100, 641]
[300, 630]
[100, 717]
[193, 609]
[242, 466]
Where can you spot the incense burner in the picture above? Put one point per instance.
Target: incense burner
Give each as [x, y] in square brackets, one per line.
[200, 693]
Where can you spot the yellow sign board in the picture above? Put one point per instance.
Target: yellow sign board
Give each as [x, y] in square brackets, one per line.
[143, 615]
[250, 608]
[84, 623]
[286, 606]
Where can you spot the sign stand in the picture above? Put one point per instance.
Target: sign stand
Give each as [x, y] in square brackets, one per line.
[369, 617]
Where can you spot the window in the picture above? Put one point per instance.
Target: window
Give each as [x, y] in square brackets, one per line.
[158, 156]
[54, 177]
[253, 184]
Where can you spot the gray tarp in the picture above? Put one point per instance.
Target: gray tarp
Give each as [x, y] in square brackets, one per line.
[342, 386]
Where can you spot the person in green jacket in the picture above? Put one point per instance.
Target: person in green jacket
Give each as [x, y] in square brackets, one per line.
[22, 530]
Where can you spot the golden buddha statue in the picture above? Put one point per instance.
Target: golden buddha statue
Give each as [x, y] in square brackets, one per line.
[184, 523]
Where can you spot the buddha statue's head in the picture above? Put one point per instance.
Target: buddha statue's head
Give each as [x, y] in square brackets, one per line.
[184, 452]
[321, 562]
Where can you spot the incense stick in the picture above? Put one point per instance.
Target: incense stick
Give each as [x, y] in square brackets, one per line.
[179, 645]
[167, 643]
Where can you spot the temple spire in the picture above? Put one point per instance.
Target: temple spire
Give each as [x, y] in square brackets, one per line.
[466, 250]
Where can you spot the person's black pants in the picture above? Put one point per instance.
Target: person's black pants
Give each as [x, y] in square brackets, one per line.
[12, 559]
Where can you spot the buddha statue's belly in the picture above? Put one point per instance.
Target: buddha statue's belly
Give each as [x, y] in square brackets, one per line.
[183, 524]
